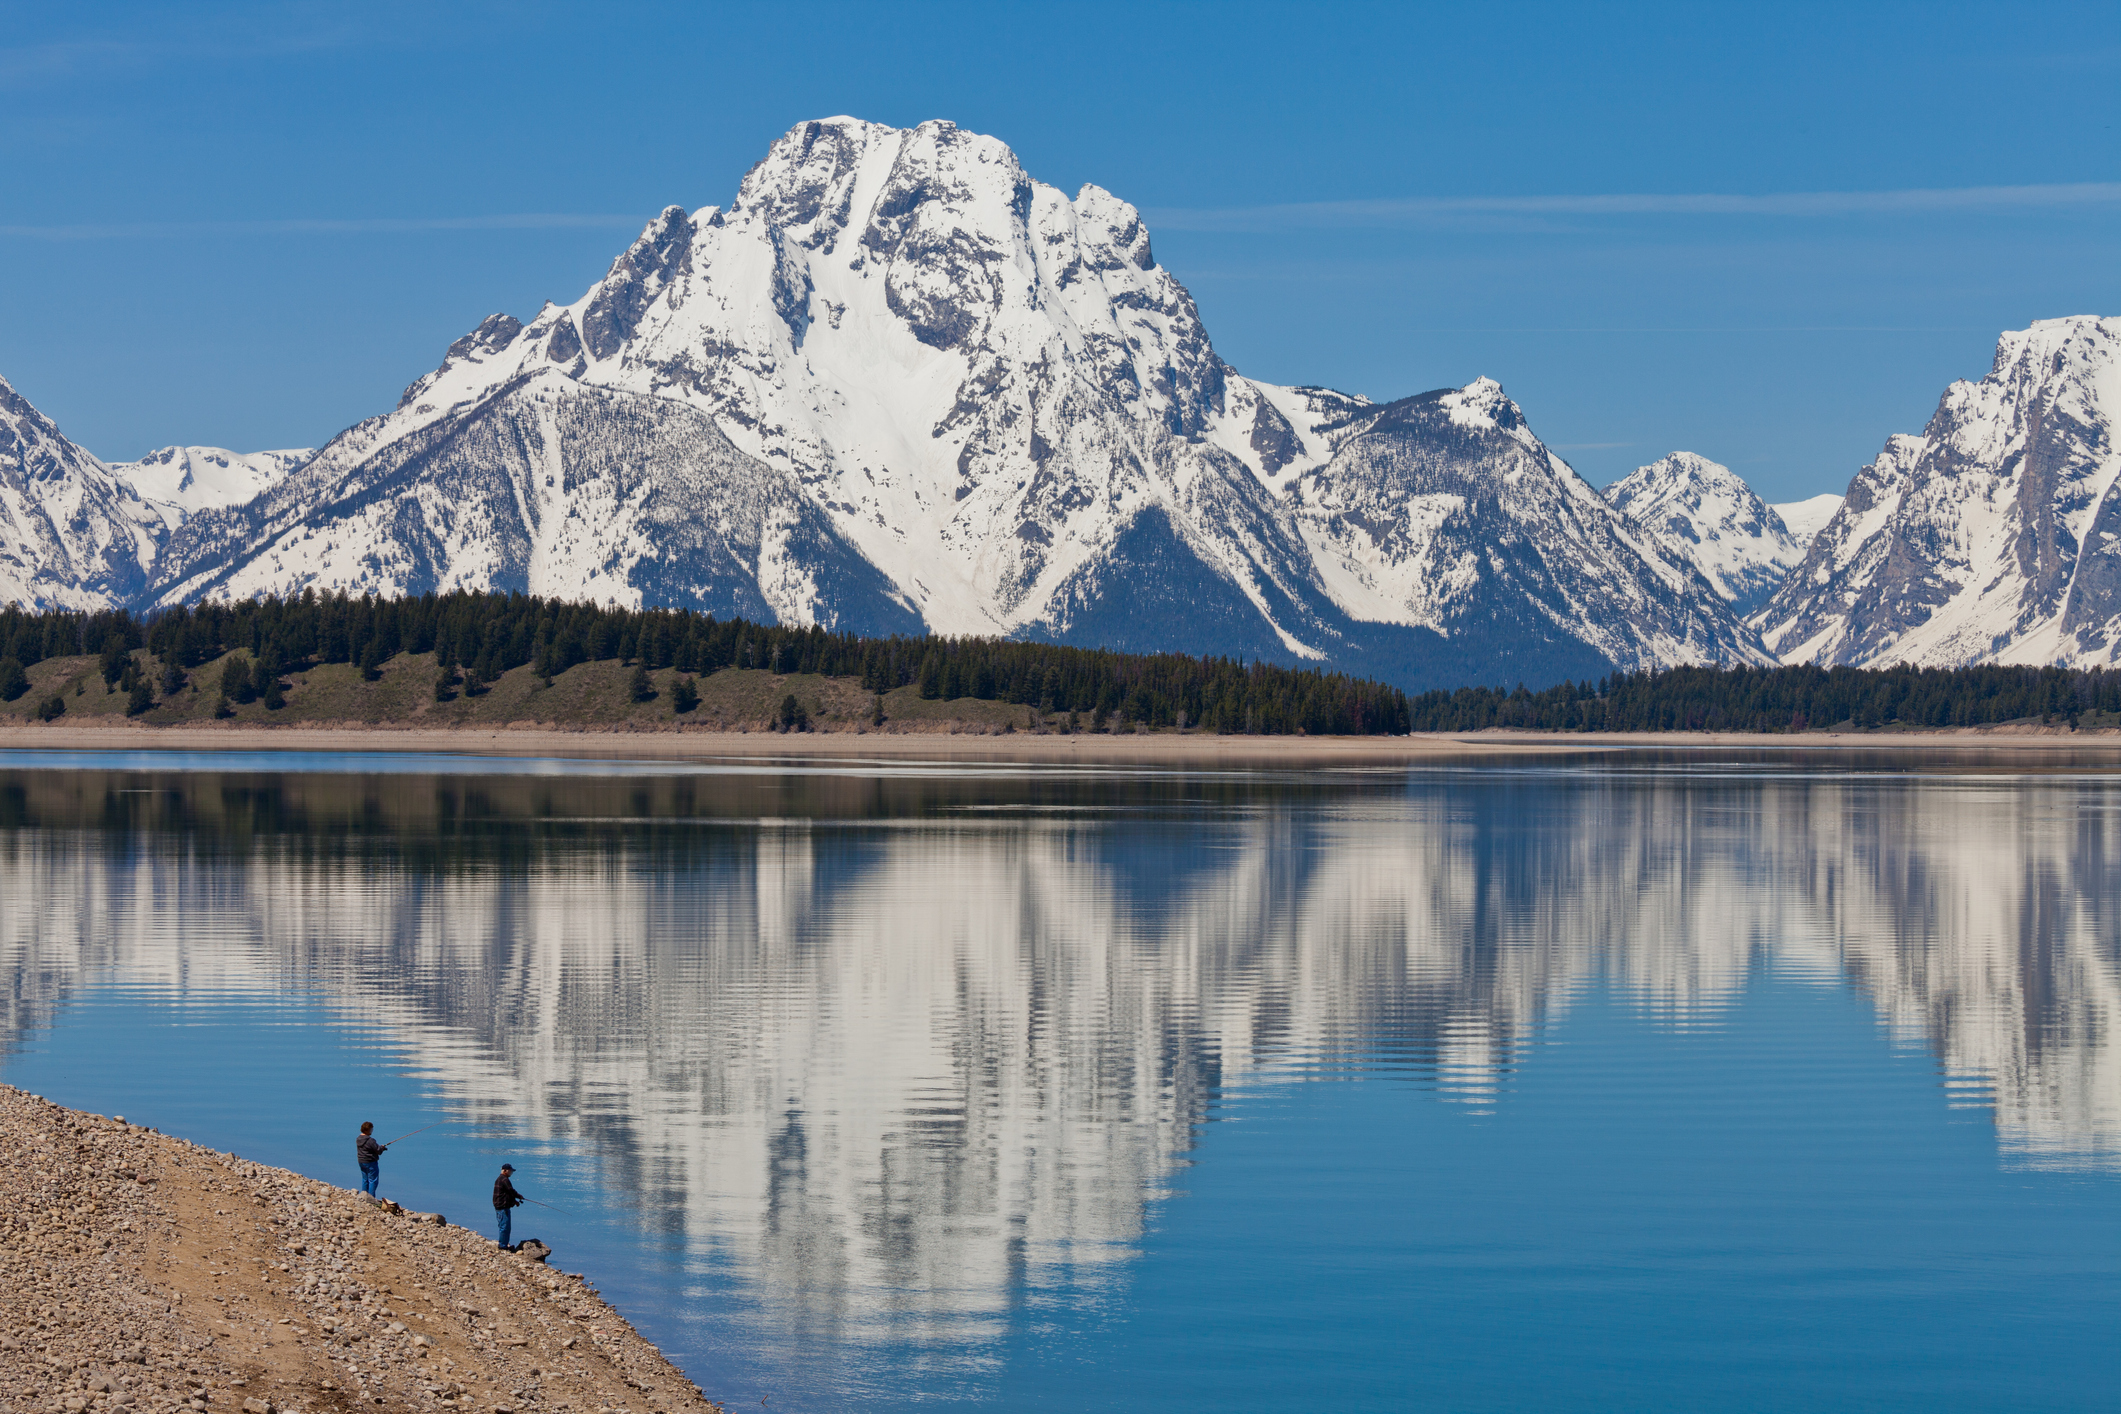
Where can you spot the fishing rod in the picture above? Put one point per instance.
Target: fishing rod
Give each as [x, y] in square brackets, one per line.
[421, 1130]
[546, 1205]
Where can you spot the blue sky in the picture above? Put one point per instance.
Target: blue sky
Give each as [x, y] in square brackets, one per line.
[251, 225]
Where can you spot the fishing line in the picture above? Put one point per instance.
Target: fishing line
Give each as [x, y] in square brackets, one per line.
[421, 1130]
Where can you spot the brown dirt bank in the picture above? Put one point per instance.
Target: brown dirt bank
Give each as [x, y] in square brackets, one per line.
[141, 1273]
[1162, 749]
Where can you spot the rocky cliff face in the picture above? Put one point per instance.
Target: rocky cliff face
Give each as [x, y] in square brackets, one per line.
[1703, 515]
[72, 533]
[899, 385]
[1995, 536]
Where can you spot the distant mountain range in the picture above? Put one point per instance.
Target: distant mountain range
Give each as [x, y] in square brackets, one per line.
[898, 385]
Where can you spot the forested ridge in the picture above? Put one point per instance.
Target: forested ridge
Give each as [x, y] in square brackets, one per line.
[1787, 699]
[478, 637]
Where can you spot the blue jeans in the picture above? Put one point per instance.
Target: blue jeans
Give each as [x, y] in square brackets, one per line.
[371, 1175]
[501, 1217]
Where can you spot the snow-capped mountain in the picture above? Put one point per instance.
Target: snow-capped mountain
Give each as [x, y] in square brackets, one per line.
[1443, 513]
[897, 384]
[179, 481]
[72, 533]
[1702, 513]
[1995, 536]
[1806, 518]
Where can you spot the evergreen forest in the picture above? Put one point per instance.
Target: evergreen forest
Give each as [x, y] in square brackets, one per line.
[479, 636]
[1786, 699]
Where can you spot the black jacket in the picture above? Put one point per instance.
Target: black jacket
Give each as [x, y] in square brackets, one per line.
[505, 1195]
[367, 1149]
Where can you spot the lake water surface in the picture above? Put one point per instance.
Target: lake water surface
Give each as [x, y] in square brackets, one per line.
[1612, 1083]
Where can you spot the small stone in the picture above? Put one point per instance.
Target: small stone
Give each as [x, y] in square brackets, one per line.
[254, 1405]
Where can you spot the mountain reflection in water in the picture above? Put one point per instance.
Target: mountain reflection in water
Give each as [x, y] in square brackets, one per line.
[897, 1047]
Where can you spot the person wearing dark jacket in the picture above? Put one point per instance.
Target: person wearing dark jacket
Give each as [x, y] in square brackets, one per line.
[370, 1153]
[505, 1201]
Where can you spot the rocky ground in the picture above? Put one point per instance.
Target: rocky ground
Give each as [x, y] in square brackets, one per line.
[141, 1272]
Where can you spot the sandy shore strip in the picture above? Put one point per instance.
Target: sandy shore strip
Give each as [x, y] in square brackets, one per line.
[142, 1273]
[1162, 749]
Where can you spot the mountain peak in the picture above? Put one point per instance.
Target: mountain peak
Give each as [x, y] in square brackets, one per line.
[1992, 536]
[1703, 512]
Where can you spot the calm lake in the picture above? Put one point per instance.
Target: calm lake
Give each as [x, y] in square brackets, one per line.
[1617, 1082]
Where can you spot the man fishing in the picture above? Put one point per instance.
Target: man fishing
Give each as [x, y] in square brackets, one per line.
[505, 1201]
[370, 1153]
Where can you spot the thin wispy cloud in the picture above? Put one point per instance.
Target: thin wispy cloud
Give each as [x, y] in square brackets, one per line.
[186, 42]
[360, 226]
[1418, 211]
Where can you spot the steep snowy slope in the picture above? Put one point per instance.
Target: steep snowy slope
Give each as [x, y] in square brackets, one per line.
[1995, 536]
[1443, 513]
[72, 534]
[1702, 513]
[179, 481]
[940, 393]
[1805, 519]
[551, 488]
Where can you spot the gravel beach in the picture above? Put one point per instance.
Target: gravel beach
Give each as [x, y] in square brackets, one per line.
[141, 1272]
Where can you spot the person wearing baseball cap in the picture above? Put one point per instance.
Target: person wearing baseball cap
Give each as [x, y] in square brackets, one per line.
[505, 1201]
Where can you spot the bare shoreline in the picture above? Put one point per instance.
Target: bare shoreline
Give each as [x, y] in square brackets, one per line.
[1159, 749]
[127, 1287]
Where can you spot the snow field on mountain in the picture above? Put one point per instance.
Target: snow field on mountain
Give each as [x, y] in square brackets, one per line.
[180, 481]
[1805, 519]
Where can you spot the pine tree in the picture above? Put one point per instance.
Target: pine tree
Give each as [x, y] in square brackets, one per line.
[13, 681]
